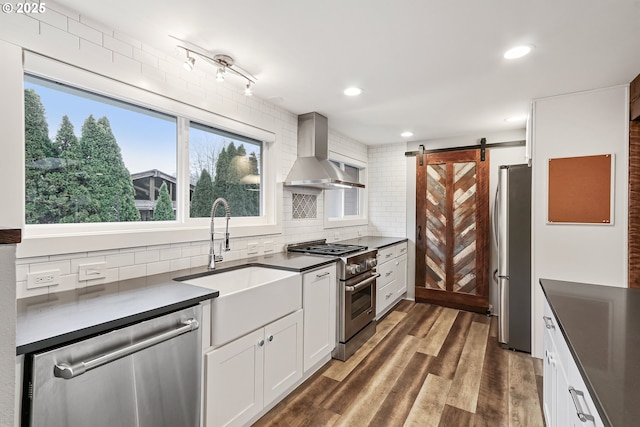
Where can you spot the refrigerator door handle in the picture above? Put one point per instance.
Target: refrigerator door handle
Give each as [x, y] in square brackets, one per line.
[495, 217]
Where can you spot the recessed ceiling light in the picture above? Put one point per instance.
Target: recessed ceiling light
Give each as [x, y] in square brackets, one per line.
[406, 134]
[517, 52]
[515, 119]
[352, 91]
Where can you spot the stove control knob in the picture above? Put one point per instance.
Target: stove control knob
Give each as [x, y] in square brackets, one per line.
[372, 262]
[353, 268]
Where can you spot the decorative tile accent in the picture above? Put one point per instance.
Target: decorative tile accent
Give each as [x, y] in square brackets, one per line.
[305, 206]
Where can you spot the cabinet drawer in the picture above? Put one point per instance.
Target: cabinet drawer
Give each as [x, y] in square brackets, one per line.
[387, 274]
[401, 249]
[386, 254]
[385, 297]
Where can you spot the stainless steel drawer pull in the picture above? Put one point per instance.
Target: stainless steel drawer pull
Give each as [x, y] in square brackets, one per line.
[326, 273]
[362, 284]
[388, 255]
[548, 323]
[68, 370]
[581, 414]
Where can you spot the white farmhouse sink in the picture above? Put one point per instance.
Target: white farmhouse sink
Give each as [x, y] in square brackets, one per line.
[249, 298]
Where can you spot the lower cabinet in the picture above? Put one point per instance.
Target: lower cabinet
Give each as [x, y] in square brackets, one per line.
[251, 372]
[566, 400]
[319, 302]
[392, 283]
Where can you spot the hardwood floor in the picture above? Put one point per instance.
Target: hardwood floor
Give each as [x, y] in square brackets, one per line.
[425, 366]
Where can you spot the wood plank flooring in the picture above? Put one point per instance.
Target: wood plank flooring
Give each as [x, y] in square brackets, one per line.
[425, 366]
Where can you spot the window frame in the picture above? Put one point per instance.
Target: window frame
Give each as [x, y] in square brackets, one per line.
[50, 239]
[349, 220]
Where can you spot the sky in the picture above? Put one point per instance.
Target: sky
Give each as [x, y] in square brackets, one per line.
[147, 140]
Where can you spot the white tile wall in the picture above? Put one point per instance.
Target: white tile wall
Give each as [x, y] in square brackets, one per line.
[387, 190]
[84, 42]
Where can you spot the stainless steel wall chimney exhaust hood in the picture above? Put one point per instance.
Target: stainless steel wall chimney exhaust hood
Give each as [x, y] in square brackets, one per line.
[312, 168]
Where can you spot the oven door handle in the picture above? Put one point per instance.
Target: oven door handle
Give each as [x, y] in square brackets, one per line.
[362, 284]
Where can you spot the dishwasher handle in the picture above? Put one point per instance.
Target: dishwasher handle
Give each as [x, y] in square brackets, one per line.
[68, 370]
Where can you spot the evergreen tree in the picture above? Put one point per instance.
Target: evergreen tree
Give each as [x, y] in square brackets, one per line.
[220, 186]
[107, 179]
[202, 198]
[66, 138]
[253, 189]
[39, 159]
[163, 210]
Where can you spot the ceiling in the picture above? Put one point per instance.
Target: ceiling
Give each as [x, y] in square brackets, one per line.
[434, 67]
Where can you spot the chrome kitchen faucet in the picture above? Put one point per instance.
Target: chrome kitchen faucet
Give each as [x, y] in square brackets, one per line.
[213, 258]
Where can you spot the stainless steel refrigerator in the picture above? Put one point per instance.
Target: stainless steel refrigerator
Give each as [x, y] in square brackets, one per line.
[512, 232]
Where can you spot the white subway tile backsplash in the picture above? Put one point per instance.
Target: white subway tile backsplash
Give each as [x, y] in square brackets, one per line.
[92, 52]
[58, 39]
[96, 25]
[169, 254]
[124, 62]
[67, 283]
[63, 266]
[136, 44]
[85, 32]
[158, 267]
[132, 271]
[55, 19]
[199, 261]
[148, 256]
[180, 264]
[89, 260]
[120, 260]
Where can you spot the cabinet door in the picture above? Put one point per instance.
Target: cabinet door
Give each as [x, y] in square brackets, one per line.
[401, 275]
[282, 355]
[582, 401]
[550, 380]
[234, 381]
[319, 304]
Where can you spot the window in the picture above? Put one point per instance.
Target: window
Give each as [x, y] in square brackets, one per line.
[89, 158]
[150, 139]
[222, 164]
[345, 207]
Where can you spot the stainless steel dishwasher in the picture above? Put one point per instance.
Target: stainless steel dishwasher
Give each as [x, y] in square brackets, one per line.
[146, 374]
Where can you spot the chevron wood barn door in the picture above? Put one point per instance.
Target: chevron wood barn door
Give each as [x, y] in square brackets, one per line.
[452, 235]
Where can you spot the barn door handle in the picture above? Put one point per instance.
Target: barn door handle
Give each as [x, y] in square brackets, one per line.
[419, 232]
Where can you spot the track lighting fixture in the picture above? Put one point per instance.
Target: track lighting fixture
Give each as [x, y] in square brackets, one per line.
[189, 62]
[224, 64]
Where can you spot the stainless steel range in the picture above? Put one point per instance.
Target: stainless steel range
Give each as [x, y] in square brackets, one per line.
[356, 291]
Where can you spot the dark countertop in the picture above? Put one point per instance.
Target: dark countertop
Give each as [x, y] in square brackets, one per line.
[601, 325]
[54, 319]
[374, 242]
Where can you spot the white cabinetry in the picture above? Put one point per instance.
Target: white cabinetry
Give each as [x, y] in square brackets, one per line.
[251, 372]
[392, 283]
[319, 302]
[564, 392]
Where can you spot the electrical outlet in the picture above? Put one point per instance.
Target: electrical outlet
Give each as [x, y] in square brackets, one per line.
[96, 270]
[252, 248]
[43, 278]
[267, 247]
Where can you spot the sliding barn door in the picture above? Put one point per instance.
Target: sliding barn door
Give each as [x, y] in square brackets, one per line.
[452, 235]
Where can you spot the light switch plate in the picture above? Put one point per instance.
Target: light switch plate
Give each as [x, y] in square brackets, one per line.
[267, 247]
[96, 270]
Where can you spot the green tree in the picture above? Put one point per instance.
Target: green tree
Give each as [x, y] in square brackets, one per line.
[40, 158]
[163, 210]
[253, 189]
[202, 198]
[107, 179]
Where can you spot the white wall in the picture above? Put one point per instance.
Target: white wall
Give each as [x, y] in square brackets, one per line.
[84, 43]
[497, 157]
[579, 124]
[387, 190]
[7, 334]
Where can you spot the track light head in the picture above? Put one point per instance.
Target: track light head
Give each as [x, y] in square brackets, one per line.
[220, 75]
[189, 62]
